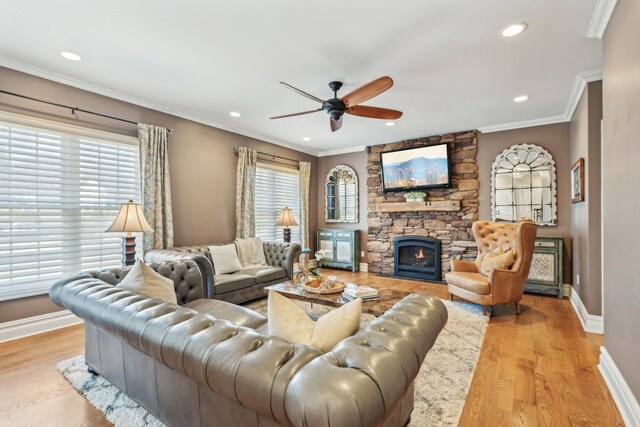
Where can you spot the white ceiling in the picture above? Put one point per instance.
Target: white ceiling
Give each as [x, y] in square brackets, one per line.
[202, 59]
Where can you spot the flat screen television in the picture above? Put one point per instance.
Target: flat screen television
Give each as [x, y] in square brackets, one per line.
[419, 168]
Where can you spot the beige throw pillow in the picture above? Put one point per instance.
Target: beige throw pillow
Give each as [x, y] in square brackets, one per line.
[490, 262]
[225, 259]
[143, 280]
[251, 252]
[288, 321]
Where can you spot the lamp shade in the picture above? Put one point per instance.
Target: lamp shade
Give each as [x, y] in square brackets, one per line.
[286, 218]
[130, 219]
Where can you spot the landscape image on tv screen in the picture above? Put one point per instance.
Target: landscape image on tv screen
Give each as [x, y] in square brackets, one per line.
[424, 167]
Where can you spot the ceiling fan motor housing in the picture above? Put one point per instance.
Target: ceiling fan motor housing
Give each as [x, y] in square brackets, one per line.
[335, 108]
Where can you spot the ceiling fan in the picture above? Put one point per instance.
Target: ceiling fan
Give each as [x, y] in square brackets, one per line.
[336, 107]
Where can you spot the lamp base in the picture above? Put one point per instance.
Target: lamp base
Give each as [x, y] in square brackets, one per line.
[128, 251]
[286, 234]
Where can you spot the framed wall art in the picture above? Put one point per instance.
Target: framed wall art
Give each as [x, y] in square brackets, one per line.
[577, 181]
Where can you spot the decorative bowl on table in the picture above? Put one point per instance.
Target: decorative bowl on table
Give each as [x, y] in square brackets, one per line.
[323, 285]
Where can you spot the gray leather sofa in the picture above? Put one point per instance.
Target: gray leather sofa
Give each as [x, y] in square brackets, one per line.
[209, 363]
[243, 285]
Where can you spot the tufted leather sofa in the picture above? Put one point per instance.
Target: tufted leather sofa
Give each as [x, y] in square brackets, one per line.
[206, 363]
[243, 285]
[502, 286]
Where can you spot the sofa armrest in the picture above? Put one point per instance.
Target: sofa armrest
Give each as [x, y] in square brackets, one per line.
[363, 379]
[464, 266]
[279, 254]
[205, 266]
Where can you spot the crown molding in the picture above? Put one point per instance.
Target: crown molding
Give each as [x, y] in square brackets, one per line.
[341, 151]
[600, 19]
[523, 124]
[579, 84]
[142, 102]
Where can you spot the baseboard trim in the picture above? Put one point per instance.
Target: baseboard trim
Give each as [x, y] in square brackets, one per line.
[364, 267]
[21, 328]
[622, 395]
[590, 322]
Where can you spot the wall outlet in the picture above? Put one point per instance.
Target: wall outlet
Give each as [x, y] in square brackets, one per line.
[577, 279]
[362, 253]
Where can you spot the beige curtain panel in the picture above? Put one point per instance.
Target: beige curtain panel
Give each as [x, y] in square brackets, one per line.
[156, 186]
[305, 178]
[245, 193]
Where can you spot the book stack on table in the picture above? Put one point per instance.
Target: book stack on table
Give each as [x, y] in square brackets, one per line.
[353, 291]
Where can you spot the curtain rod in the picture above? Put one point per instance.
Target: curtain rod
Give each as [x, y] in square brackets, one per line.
[73, 109]
[235, 149]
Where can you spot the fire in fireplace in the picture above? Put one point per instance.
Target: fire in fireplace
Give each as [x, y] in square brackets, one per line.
[417, 257]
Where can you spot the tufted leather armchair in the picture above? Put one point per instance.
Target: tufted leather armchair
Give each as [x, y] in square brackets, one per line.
[239, 287]
[502, 286]
[207, 363]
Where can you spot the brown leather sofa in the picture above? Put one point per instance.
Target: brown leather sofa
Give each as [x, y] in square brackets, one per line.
[241, 286]
[503, 285]
[209, 363]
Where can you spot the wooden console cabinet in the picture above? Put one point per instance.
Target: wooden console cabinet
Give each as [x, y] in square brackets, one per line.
[344, 246]
[545, 276]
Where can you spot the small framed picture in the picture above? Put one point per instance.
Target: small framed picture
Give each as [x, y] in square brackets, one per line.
[577, 181]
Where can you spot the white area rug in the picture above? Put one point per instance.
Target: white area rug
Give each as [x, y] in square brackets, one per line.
[441, 386]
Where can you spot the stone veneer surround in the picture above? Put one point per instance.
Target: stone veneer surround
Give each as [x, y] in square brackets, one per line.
[453, 229]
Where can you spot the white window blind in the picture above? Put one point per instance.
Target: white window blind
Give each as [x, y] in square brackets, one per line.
[59, 191]
[276, 188]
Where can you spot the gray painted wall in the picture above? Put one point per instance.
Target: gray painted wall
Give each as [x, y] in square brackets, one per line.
[620, 190]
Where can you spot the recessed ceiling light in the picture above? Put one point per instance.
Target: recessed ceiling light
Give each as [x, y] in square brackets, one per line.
[234, 114]
[521, 98]
[70, 56]
[514, 30]
[390, 123]
[306, 138]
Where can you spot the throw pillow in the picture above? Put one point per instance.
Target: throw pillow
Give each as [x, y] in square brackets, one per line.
[225, 259]
[289, 321]
[251, 252]
[143, 280]
[490, 262]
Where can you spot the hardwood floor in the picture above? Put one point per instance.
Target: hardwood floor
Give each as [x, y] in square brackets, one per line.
[536, 369]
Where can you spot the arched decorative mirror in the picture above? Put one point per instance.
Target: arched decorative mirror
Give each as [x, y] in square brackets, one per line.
[523, 185]
[341, 195]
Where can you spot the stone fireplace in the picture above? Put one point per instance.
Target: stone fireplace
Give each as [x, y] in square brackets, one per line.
[451, 227]
[417, 257]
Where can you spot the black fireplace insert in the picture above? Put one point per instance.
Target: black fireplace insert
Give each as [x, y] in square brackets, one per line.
[417, 257]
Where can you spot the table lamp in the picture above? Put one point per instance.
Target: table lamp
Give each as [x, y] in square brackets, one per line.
[130, 219]
[286, 220]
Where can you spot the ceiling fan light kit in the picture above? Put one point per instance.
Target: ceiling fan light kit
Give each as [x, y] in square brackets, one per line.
[349, 104]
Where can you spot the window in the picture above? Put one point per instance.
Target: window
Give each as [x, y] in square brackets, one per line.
[60, 188]
[276, 188]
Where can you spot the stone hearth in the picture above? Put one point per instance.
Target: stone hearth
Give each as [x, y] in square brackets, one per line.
[453, 229]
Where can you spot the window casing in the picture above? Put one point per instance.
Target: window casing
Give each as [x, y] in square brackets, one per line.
[60, 188]
[276, 188]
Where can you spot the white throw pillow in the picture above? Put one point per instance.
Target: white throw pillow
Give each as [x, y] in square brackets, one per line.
[288, 321]
[251, 252]
[225, 259]
[143, 280]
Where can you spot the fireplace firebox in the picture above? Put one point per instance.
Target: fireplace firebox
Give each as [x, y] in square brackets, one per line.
[417, 257]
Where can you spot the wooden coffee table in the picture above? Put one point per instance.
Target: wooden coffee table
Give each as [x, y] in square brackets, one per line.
[294, 290]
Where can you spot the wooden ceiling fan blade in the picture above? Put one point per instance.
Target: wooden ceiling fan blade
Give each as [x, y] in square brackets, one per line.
[301, 92]
[367, 91]
[374, 112]
[335, 125]
[296, 114]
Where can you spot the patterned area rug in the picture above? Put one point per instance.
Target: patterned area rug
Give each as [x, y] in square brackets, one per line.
[441, 386]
